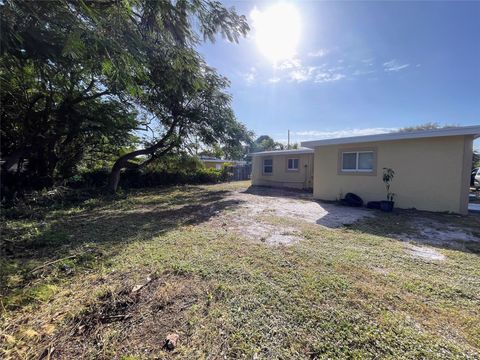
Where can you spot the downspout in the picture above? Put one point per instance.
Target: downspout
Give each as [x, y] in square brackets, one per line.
[466, 170]
[305, 182]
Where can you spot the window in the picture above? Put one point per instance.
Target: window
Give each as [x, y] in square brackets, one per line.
[292, 164]
[218, 166]
[349, 161]
[361, 161]
[267, 166]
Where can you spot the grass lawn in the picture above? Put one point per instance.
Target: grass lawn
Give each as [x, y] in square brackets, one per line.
[106, 278]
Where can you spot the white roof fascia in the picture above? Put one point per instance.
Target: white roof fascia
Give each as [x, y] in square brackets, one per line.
[283, 152]
[456, 131]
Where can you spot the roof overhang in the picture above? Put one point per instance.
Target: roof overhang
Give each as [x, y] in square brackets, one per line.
[283, 152]
[454, 131]
[220, 161]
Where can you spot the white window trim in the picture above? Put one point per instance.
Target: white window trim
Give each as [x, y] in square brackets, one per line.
[298, 164]
[356, 170]
[263, 167]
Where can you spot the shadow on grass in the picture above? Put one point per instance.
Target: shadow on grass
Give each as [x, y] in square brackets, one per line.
[92, 235]
[441, 230]
[279, 192]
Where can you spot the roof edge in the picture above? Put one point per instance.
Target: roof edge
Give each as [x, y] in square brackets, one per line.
[283, 152]
[454, 131]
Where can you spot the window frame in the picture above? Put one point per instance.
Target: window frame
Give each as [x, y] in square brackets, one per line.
[357, 171]
[263, 166]
[293, 169]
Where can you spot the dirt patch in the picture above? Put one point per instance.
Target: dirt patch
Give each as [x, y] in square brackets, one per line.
[441, 233]
[256, 203]
[133, 319]
[283, 236]
[299, 206]
[253, 229]
[425, 253]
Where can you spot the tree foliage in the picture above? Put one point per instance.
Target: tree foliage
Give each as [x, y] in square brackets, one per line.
[80, 79]
[266, 143]
[425, 126]
[476, 159]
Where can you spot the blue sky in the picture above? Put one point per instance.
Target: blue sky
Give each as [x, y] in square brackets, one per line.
[359, 68]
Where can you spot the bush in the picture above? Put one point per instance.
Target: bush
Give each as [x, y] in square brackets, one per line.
[138, 179]
[95, 178]
[134, 178]
[169, 172]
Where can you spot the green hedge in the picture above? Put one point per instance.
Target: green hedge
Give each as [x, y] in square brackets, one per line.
[140, 179]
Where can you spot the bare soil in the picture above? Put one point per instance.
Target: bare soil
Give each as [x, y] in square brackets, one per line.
[258, 203]
[424, 253]
[439, 230]
[133, 317]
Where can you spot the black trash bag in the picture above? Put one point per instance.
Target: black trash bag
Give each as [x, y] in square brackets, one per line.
[373, 204]
[352, 200]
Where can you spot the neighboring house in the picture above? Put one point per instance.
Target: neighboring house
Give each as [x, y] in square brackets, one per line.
[283, 168]
[432, 167]
[215, 163]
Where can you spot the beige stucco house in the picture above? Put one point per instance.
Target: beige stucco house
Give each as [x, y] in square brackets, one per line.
[283, 168]
[432, 168]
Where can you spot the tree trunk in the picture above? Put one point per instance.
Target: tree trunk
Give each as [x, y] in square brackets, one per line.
[123, 160]
[119, 165]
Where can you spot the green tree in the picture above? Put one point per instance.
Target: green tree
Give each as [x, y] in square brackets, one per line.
[476, 159]
[76, 74]
[196, 107]
[425, 126]
[57, 98]
[266, 143]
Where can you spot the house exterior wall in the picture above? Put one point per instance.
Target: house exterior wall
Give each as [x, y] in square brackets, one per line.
[214, 164]
[281, 177]
[430, 173]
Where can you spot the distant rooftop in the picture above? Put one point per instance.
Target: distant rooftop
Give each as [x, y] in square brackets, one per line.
[214, 159]
[453, 131]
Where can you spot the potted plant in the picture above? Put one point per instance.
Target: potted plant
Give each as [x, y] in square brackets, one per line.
[387, 205]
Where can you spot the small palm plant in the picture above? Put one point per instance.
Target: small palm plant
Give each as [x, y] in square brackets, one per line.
[388, 175]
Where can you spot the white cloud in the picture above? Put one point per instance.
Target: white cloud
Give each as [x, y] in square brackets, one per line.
[318, 53]
[299, 136]
[368, 62]
[294, 70]
[302, 73]
[328, 76]
[394, 65]
[289, 64]
[250, 76]
[274, 80]
[363, 72]
[299, 75]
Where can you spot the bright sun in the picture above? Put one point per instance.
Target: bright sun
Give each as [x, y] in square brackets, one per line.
[277, 31]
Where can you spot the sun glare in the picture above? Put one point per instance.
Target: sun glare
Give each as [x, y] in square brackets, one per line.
[277, 31]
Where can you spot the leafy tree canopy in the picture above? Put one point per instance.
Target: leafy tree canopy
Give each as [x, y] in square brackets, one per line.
[79, 78]
[266, 143]
[426, 126]
[476, 159]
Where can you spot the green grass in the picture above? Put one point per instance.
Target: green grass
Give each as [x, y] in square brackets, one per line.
[346, 293]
